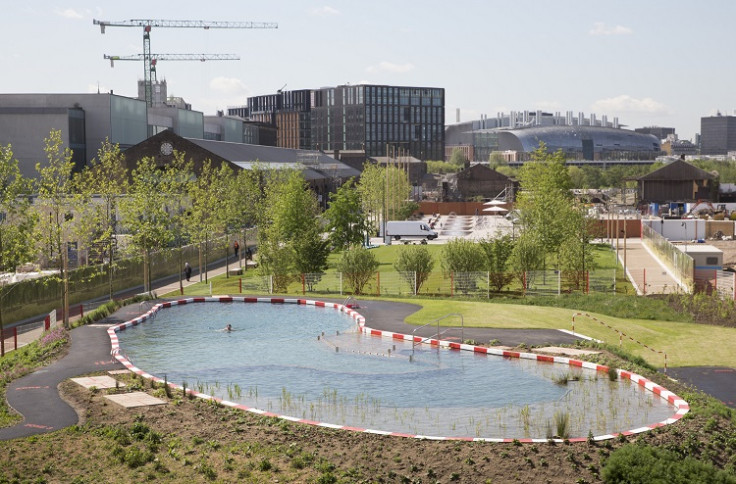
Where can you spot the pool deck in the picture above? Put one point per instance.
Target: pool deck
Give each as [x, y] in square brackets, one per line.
[37, 398]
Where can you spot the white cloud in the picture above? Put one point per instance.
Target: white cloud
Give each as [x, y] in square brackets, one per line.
[325, 11]
[68, 13]
[600, 28]
[385, 66]
[229, 86]
[627, 104]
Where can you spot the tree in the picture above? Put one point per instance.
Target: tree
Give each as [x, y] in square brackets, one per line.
[146, 210]
[244, 201]
[357, 265]
[16, 220]
[207, 215]
[57, 203]
[498, 251]
[107, 178]
[346, 223]
[527, 256]
[463, 259]
[414, 264]
[458, 158]
[371, 188]
[385, 192]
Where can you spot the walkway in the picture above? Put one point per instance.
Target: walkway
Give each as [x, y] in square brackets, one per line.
[646, 272]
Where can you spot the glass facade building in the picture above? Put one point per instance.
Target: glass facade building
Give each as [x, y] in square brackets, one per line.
[380, 120]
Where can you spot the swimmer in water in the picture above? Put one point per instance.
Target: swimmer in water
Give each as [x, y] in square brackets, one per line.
[228, 328]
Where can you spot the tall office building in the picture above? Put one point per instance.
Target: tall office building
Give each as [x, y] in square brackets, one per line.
[380, 120]
[717, 135]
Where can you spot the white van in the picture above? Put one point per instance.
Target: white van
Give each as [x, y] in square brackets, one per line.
[409, 229]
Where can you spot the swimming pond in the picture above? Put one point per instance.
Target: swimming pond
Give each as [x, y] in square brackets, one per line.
[314, 364]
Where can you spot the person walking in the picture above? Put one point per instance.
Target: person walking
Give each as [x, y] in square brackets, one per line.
[187, 271]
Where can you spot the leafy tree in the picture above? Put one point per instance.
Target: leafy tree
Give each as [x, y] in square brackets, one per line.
[357, 265]
[16, 220]
[415, 265]
[58, 204]
[442, 167]
[464, 259]
[371, 188]
[345, 221]
[498, 251]
[207, 216]
[311, 252]
[107, 178]
[385, 192]
[496, 160]
[146, 211]
[244, 200]
[458, 158]
[527, 256]
[276, 259]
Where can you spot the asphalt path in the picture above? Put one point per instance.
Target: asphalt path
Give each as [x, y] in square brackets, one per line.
[718, 381]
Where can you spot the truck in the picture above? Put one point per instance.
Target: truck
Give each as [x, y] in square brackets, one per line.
[409, 229]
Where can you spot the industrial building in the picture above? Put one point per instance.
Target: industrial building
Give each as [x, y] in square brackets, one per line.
[717, 134]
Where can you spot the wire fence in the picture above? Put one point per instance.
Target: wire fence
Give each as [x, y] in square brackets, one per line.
[452, 284]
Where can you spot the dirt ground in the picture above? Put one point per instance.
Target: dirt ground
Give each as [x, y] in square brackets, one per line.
[729, 251]
[203, 442]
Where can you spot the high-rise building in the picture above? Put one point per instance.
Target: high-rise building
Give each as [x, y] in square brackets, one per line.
[717, 135]
[659, 131]
[381, 120]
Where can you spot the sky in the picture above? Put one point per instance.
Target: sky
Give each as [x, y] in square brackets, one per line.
[647, 62]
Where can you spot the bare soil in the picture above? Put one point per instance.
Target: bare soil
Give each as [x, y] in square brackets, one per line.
[204, 442]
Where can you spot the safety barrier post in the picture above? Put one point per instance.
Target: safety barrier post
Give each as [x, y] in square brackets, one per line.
[15, 337]
[587, 282]
[240, 285]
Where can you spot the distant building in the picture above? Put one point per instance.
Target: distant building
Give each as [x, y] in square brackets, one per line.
[377, 120]
[678, 182]
[480, 181]
[717, 135]
[580, 138]
[658, 131]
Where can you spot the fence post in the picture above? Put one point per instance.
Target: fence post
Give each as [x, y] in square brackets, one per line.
[415, 283]
[240, 285]
[523, 283]
[715, 281]
[488, 281]
[81, 310]
[303, 284]
[270, 284]
[2, 342]
[452, 284]
[378, 283]
[644, 287]
[559, 282]
[15, 337]
[587, 282]
[46, 323]
[734, 286]
[341, 283]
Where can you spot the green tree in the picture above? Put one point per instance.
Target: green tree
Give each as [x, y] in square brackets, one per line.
[57, 203]
[458, 158]
[415, 265]
[464, 259]
[527, 256]
[496, 160]
[244, 201]
[371, 188]
[107, 178]
[17, 222]
[208, 215]
[357, 265]
[311, 251]
[498, 251]
[146, 210]
[346, 223]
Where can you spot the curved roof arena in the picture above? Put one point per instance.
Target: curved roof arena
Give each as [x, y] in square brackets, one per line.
[570, 139]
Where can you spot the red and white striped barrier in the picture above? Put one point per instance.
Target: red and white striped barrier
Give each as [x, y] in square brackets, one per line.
[680, 405]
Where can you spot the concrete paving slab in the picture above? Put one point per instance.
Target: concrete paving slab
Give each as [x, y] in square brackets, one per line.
[134, 399]
[101, 382]
[118, 372]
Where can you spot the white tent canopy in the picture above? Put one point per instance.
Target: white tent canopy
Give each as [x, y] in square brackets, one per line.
[495, 202]
[495, 209]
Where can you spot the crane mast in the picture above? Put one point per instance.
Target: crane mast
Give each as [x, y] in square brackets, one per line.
[149, 60]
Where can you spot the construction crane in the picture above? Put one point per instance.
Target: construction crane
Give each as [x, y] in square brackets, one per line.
[149, 60]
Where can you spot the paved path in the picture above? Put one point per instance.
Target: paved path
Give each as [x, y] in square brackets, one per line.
[638, 259]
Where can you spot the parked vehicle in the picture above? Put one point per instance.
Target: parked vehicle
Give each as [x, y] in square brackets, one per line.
[409, 229]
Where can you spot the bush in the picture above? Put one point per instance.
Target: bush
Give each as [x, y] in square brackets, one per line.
[643, 463]
[414, 259]
[357, 266]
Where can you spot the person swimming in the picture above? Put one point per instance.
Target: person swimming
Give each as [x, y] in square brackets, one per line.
[228, 328]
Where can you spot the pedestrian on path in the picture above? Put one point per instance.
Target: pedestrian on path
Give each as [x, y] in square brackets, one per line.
[187, 271]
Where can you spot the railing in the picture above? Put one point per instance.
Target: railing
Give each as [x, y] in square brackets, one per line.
[678, 262]
[713, 281]
[421, 340]
[621, 335]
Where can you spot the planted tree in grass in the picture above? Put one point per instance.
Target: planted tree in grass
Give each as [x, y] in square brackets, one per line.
[527, 256]
[498, 251]
[311, 252]
[345, 221]
[357, 265]
[414, 264]
[464, 259]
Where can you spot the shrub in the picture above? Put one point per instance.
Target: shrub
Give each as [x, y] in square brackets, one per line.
[643, 463]
[357, 265]
[414, 260]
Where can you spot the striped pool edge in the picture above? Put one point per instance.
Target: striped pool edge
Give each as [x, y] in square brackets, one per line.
[680, 405]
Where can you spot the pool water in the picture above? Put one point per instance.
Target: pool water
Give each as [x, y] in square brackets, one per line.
[313, 363]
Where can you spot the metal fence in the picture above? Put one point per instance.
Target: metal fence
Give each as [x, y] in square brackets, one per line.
[452, 284]
[713, 281]
[678, 262]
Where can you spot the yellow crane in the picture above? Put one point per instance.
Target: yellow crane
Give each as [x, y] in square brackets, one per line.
[149, 60]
